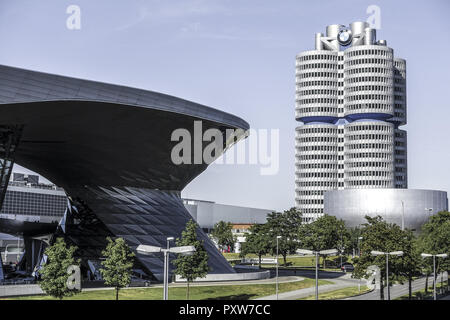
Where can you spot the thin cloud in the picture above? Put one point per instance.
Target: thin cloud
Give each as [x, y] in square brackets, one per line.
[143, 14]
[160, 11]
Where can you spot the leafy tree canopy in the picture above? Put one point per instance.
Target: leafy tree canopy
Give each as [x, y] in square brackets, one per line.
[435, 239]
[223, 235]
[195, 265]
[117, 267]
[192, 266]
[54, 272]
[285, 224]
[257, 241]
[327, 232]
[378, 235]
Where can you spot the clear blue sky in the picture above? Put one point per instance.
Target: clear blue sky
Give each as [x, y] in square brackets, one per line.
[238, 56]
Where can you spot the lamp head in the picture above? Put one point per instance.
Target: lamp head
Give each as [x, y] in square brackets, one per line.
[183, 250]
[147, 250]
[328, 252]
[304, 251]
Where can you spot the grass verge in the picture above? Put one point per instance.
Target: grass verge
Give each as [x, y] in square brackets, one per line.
[339, 294]
[225, 292]
[293, 261]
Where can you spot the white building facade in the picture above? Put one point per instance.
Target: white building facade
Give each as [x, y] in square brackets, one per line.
[351, 103]
[208, 213]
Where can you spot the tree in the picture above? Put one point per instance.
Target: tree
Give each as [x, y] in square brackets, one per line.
[435, 239]
[410, 263]
[327, 232]
[221, 232]
[117, 267]
[54, 272]
[380, 236]
[192, 266]
[286, 225]
[354, 234]
[257, 241]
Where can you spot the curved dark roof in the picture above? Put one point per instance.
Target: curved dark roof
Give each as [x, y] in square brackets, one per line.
[78, 132]
[20, 85]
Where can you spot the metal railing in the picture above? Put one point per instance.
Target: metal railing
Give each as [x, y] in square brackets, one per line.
[35, 186]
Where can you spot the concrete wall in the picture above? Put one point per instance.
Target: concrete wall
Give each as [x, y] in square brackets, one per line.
[20, 290]
[230, 277]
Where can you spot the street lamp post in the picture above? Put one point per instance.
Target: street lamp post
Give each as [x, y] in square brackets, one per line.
[441, 255]
[166, 269]
[149, 250]
[342, 247]
[317, 276]
[359, 248]
[18, 249]
[387, 278]
[403, 215]
[276, 276]
[317, 253]
[387, 254]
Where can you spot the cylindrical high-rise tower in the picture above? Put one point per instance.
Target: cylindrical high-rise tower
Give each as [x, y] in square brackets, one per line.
[351, 100]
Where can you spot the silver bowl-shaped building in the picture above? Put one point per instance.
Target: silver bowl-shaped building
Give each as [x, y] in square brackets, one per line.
[109, 147]
[409, 208]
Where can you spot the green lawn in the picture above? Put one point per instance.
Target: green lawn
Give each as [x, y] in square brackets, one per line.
[339, 294]
[226, 292]
[292, 261]
[232, 255]
[303, 262]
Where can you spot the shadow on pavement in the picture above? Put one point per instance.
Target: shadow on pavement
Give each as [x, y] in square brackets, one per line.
[306, 273]
[234, 297]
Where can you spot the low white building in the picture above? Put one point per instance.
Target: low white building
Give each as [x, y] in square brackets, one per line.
[208, 213]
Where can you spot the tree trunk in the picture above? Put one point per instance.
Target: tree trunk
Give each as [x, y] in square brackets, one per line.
[381, 290]
[117, 293]
[324, 262]
[187, 291]
[426, 284]
[435, 282]
[284, 259]
[448, 273]
[260, 257]
[409, 288]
